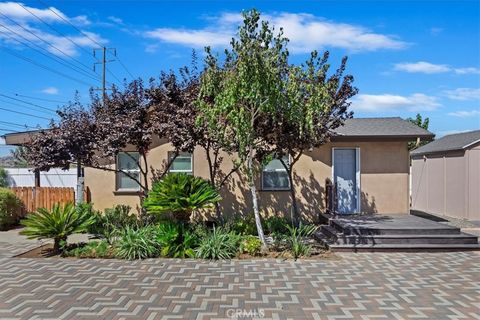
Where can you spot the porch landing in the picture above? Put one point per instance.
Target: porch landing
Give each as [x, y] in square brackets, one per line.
[396, 232]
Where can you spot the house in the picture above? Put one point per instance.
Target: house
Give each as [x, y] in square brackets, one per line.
[446, 176]
[368, 160]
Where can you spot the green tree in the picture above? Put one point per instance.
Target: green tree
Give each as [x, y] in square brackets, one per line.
[3, 178]
[315, 104]
[239, 94]
[422, 123]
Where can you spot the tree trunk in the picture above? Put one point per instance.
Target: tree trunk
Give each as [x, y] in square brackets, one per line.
[57, 245]
[295, 215]
[253, 190]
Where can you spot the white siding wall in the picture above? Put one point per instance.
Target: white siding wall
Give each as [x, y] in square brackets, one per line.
[24, 177]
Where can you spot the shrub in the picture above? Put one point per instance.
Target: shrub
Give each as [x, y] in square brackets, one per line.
[136, 244]
[175, 240]
[57, 224]
[112, 221]
[3, 178]
[296, 240]
[94, 249]
[219, 244]
[251, 245]
[180, 194]
[243, 225]
[10, 208]
[276, 226]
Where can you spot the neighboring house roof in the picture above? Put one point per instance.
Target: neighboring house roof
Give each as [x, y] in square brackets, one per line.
[395, 127]
[451, 142]
[382, 127]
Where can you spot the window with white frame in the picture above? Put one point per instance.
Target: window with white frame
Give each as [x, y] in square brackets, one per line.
[182, 163]
[128, 163]
[275, 176]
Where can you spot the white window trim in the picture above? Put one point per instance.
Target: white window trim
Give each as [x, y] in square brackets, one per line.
[277, 170]
[183, 171]
[117, 174]
[358, 208]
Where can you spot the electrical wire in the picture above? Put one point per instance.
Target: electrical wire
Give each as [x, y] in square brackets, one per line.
[41, 99]
[26, 114]
[43, 66]
[29, 103]
[54, 58]
[16, 125]
[52, 28]
[50, 44]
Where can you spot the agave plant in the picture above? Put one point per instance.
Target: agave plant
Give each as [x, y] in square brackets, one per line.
[57, 224]
[180, 194]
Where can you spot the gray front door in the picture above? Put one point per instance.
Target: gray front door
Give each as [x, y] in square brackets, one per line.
[345, 178]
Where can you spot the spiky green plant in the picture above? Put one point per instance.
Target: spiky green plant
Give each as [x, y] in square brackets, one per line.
[219, 244]
[180, 194]
[57, 224]
[296, 240]
[175, 240]
[136, 244]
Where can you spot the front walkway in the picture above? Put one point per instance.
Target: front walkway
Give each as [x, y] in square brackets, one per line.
[357, 286]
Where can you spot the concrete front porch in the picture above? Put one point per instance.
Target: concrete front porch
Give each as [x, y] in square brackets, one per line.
[395, 232]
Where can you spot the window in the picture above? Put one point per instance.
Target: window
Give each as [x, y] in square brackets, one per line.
[182, 163]
[275, 176]
[128, 162]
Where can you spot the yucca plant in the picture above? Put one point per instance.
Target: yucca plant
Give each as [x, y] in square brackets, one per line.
[57, 224]
[136, 244]
[180, 194]
[219, 244]
[296, 240]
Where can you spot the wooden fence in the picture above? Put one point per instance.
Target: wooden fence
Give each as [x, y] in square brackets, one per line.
[43, 197]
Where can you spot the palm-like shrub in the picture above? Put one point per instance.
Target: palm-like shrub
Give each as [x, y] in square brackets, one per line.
[175, 240]
[296, 240]
[57, 224]
[180, 194]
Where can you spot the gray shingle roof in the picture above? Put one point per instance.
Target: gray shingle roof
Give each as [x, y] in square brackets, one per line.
[458, 141]
[382, 127]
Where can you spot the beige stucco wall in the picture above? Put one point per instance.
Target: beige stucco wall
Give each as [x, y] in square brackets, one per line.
[384, 167]
[448, 183]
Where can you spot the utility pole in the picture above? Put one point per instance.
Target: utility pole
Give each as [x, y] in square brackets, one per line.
[103, 61]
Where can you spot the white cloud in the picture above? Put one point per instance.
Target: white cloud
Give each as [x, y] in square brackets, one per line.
[465, 113]
[51, 90]
[430, 68]
[305, 31]
[463, 94]
[390, 102]
[469, 70]
[421, 67]
[31, 29]
[114, 19]
[20, 11]
[436, 31]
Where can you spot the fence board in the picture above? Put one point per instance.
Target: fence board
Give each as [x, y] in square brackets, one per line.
[43, 197]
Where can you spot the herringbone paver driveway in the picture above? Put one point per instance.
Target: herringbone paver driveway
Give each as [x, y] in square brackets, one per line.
[358, 286]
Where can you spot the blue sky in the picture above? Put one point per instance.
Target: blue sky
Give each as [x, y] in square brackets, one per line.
[406, 57]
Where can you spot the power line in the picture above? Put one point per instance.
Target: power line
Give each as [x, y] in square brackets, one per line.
[65, 20]
[26, 114]
[49, 44]
[54, 58]
[48, 25]
[3, 129]
[16, 125]
[26, 102]
[43, 66]
[124, 67]
[41, 99]
[49, 113]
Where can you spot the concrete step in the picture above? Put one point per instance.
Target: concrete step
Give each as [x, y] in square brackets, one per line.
[461, 238]
[404, 247]
[364, 230]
